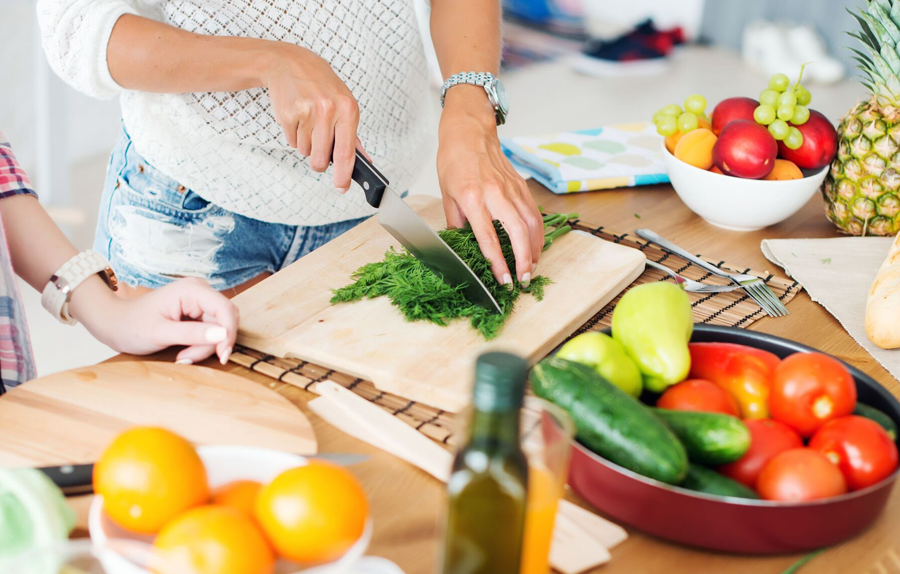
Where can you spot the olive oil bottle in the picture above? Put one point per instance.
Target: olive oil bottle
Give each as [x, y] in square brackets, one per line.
[487, 489]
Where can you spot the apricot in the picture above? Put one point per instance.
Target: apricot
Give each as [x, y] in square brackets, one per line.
[672, 141]
[695, 148]
[784, 169]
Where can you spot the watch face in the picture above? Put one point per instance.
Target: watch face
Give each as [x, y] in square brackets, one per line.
[501, 96]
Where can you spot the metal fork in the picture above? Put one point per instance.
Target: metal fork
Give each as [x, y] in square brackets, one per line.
[690, 284]
[752, 285]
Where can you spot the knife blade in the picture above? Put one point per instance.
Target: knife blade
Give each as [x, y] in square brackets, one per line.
[401, 221]
[77, 479]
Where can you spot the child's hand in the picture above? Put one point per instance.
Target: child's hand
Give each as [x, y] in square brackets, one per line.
[187, 312]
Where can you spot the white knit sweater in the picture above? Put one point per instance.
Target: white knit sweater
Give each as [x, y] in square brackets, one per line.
[228, 147]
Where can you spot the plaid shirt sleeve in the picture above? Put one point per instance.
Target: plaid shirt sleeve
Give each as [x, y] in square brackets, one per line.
[13, 179]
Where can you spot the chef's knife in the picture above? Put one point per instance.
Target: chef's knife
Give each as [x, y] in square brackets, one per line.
[77, 479]
[412, 232]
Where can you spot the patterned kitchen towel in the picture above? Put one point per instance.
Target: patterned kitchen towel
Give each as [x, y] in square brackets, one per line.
[623, 155]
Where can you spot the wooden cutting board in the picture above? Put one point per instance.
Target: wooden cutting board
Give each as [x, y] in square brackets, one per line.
[70, 417]
[289, 314]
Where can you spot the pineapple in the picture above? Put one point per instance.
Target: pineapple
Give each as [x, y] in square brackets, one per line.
[862, 189]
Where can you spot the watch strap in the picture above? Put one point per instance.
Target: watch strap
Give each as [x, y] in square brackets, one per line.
[58, 291]
[483, 79]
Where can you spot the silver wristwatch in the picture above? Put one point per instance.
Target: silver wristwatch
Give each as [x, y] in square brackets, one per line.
[496, 93]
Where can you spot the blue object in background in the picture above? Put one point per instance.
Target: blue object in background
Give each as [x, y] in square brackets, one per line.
[550, 13]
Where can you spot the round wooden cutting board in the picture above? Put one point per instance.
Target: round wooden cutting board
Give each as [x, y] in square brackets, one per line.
[70, 417]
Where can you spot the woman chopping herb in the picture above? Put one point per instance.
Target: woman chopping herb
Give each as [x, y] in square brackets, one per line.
[231, 110]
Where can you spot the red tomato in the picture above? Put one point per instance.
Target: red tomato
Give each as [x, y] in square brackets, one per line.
[860, 448]
[799, 475]
[810, 389]
[768, 438]
[698, 395]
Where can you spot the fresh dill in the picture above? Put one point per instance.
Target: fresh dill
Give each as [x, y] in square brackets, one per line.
[422, 296]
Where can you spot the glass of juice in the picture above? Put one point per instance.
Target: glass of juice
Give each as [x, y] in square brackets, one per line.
[546, 433]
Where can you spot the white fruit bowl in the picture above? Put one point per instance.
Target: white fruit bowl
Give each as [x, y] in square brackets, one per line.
[224, 464]
[739, 204]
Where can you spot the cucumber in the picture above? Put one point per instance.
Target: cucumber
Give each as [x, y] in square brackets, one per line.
[709, 438]
[879, 417]
[702, 479]
[611, 422]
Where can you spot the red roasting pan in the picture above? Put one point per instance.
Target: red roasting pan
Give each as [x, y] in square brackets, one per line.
[734, 524]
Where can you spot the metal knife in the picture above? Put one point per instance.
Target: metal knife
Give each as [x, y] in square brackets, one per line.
[77, 479]
[412, 232]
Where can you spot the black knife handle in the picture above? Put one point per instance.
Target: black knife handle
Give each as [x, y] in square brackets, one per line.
[72, 479]
[370, 179]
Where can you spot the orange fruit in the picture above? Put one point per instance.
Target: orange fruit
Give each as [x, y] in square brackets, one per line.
[240, 494]
[147, 476]
[695, 148]
[312, 513]
[784, 169]
[212, 540]
[715, 169]
[672, 141]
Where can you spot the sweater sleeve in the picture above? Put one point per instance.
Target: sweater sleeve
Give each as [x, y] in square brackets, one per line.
[75, 35]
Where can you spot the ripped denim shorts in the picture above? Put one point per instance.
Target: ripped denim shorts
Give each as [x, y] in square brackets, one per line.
[154, 231]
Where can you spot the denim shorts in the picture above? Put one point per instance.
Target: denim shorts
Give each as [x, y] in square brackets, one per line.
[154, 230]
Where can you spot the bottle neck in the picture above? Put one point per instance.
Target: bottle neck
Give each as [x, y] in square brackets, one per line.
[500, 427]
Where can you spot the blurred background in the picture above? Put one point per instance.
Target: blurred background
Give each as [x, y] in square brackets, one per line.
[568, 64]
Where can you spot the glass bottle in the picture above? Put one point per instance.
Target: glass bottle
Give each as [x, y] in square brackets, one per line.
[488, 486]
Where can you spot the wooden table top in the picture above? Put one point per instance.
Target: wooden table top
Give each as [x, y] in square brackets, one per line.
[406, 503]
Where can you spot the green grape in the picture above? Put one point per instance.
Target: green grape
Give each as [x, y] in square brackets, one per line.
[695, 104]
[768, 98]
[764, 114]
[779, 82]
[794, 138]
[657, 116]
[779, 129]
[801, 114]
[671, 110]
[666, 126]
[687, 122]
[785, 113]
[803, 95]
[787, 99]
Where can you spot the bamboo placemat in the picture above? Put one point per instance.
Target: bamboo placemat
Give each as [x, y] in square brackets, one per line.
[734, 309]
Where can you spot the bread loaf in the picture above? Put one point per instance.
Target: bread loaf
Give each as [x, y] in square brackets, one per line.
[883, 304]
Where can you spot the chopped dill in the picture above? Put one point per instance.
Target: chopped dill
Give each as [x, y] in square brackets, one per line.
[422, 296]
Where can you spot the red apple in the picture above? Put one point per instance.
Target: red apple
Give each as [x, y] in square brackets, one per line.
[745, 149]
[730, 110]
[819, 143]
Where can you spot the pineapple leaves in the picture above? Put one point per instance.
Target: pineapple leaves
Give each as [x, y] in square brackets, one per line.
[894, 12]
[867, 36]
[879, 15]
[893, 86]
[862, 38]
[882, 67]
[865, 64]
[892, 59]
[878, 29]
[862, 56]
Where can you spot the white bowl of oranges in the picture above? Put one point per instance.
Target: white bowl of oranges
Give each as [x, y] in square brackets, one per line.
[752, 163]
[736, 203]
[224, 509]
